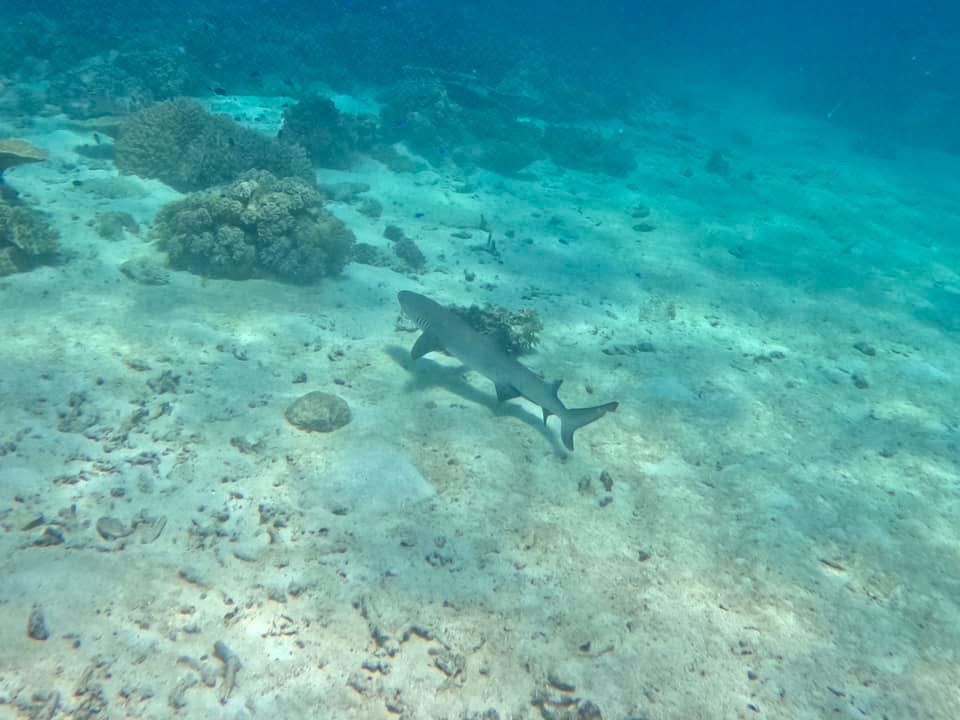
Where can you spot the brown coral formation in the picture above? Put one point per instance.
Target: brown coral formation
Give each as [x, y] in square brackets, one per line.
[258, 226]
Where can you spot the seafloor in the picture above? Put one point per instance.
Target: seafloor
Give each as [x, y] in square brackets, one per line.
[766, 528]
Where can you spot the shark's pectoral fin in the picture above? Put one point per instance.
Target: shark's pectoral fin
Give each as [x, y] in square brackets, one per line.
[554, 390]
[506, 392]
[426, 343]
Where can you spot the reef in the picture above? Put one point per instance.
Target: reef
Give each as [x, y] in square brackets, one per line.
[405, 248]
[26, 239]
[586, 150]
[331, 138]
[420, 112]
[184, 146]
[450, 121]
[508, 145]
[257, 226]
[119, 83]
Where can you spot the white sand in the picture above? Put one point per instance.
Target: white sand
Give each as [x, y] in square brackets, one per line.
[440, 556]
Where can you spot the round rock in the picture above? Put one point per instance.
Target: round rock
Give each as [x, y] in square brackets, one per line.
[318, 412]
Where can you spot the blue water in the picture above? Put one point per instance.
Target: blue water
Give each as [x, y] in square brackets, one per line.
[227, 488]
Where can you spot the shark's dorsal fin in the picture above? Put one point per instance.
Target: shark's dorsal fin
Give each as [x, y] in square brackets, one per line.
[426, 343]
[506, 392]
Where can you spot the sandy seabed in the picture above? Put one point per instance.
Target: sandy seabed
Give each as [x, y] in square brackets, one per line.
[766, 528]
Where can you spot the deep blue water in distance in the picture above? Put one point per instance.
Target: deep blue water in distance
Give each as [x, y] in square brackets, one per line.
[885, 68]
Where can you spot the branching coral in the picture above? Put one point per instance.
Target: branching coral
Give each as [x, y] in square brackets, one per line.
[181, 144]
[259, 225]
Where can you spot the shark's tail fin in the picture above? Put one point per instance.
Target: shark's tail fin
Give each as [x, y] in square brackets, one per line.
[575, 418]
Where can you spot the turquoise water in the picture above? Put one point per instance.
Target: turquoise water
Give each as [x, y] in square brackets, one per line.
[229, 489]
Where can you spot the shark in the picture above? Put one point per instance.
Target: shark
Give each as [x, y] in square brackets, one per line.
[445, 331]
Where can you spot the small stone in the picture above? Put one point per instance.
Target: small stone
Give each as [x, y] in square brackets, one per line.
[393, 233]
[557, 683]
[345, 192]
[407, 250]
[112, 529]
[865, 347]
[717, 164]
[145, 271]
[606, 479]
[112, 225]
[37, 624]
[51, 536]
[588, 710]
[318, 412]
[371, 208]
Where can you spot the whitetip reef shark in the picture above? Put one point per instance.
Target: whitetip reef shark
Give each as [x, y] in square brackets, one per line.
[443, 330]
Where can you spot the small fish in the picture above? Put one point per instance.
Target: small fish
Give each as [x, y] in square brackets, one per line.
[219, 90]
[419, 215]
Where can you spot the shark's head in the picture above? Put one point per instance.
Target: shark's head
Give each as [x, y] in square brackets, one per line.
[418, 308]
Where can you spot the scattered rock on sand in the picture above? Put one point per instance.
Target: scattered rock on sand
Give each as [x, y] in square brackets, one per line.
[37, 624]
[865, 347]
[112, 529]
[145, 271]
[318, 412]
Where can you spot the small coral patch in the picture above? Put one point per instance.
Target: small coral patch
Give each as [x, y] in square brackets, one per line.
[258, 226]
[319, 412]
